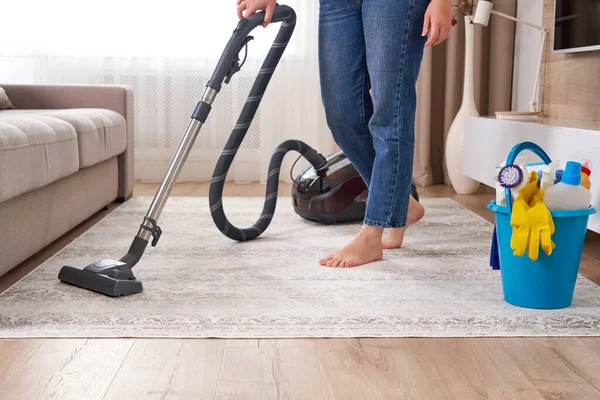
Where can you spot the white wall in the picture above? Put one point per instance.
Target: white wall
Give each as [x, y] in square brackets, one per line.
[527, 51]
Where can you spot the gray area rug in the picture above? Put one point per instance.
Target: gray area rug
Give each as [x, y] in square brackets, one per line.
[200, 284]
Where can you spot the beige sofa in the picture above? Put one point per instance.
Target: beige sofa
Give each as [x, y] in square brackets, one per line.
[66, 152]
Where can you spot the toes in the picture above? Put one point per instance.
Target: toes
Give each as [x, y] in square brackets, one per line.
[330, 262]
[325, 260]
[335, 263]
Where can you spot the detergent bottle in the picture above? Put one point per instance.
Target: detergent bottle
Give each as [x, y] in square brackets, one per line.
[586, 171]
[568, 194]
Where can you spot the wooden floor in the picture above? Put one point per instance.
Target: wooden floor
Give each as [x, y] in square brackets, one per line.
[472, 368]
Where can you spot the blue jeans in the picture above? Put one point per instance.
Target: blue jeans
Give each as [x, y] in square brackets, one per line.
[374, 45]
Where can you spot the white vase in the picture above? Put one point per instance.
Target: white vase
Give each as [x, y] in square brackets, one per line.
[461, 183]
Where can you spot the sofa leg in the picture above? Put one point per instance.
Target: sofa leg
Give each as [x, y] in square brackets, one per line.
[124, 199]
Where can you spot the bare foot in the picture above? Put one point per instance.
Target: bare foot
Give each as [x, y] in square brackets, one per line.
[394, 238]
[365, 248]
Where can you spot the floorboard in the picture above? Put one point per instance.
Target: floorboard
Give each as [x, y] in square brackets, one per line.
[68, 369]
[169, 369]
[14, 353]
[270, 373]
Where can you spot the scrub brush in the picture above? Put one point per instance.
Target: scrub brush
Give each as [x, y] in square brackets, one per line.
[510, 176]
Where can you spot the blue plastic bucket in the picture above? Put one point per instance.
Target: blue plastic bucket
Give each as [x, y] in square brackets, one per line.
[549, 282]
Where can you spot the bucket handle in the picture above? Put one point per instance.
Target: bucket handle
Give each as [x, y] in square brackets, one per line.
[512, 156]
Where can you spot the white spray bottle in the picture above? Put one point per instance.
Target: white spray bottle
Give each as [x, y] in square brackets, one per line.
[549, 175]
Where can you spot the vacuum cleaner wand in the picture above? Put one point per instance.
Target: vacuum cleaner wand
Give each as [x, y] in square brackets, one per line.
[115, 277]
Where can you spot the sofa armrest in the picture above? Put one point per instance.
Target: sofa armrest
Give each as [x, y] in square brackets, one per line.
[111, 97]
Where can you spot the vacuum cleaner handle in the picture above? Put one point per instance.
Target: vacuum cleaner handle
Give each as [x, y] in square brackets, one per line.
[239, 38]
[282, 13]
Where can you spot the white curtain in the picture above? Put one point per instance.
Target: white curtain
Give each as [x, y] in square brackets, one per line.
[167, 51]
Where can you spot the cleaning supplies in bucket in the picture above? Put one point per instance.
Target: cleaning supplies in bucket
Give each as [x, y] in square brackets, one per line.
[534, 196]
[568, 194]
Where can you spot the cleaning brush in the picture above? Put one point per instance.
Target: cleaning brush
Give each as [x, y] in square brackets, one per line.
[510, 176]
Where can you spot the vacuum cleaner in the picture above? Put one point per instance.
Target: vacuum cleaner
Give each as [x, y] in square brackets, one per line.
[334, 195]
[329, 191]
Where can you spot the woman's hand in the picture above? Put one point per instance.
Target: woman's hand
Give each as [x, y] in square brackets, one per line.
[247, 8]
[438, 22]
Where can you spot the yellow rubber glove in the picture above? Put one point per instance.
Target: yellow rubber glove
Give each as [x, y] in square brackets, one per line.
[531, 221]
[541, 233]
[519, 220]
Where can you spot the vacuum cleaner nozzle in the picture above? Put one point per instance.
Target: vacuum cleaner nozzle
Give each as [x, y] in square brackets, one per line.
[110, 277]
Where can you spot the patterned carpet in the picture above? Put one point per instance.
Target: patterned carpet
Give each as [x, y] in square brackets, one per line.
[198, 283]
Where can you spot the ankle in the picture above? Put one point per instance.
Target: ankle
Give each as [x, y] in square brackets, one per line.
[371, 233]
[396, 231]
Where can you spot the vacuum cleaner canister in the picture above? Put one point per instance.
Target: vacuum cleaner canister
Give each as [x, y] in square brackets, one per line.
[338, 194]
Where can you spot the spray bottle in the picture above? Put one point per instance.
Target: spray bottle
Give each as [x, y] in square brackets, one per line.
[549, 175]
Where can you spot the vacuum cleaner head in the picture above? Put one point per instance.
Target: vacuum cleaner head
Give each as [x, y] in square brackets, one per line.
[110, 277]
[338, 195]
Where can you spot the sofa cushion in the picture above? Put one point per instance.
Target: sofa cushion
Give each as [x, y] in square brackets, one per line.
[4, 100]
[101, 133]
[35, 150]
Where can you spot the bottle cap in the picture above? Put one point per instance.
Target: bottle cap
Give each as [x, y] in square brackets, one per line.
[586, 167]
[547, 176]
[572, 174]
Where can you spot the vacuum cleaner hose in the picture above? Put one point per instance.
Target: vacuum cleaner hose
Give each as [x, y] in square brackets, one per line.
[288, 18]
